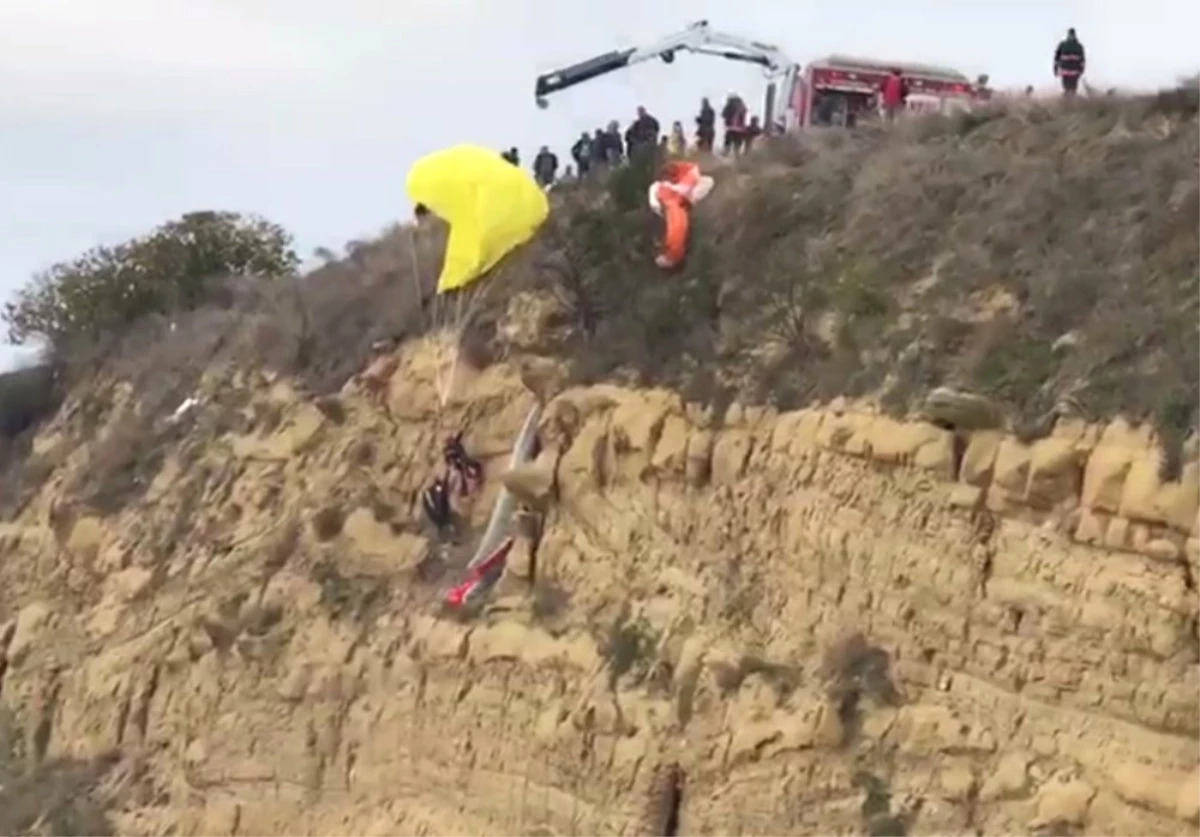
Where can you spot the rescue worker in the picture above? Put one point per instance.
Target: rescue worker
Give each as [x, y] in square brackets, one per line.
[672, 196]
[1069, 63]
[545, 167]
[581, 153]
[893, 94]
[706, 131]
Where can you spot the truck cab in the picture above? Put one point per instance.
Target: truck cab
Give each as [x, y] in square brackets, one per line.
[838, 90]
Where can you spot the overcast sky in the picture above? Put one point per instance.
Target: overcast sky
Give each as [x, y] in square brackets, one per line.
[120, 114]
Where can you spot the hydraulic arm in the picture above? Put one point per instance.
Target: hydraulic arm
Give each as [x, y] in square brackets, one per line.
[698, 38]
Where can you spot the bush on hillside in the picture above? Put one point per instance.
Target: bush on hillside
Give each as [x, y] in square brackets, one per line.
[26, 396]
[168, 270]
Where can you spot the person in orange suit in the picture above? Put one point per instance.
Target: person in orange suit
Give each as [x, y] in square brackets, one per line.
[672, 196]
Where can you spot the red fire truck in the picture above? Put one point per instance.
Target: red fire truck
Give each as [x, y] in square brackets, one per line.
[833, 90]
[837, 89]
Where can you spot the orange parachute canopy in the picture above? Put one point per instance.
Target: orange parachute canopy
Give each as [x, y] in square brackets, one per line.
[673, 196]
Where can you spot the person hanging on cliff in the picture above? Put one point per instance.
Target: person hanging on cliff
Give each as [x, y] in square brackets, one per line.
[1069, 63]
[435, 501]
[463, 468]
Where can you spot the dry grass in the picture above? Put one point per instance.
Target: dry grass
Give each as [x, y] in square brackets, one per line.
[1041, 254]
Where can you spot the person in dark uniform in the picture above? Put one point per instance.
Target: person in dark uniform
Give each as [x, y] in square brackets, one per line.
[1069, 62]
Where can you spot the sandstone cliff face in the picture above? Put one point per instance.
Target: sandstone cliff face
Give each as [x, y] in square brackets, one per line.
[824, 621]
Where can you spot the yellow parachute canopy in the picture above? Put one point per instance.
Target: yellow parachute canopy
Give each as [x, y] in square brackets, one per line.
[492, 207]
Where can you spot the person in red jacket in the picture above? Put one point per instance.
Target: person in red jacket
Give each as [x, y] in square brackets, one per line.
[893, 94]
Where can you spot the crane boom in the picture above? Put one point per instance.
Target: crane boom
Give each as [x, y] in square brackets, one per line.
[697, 38]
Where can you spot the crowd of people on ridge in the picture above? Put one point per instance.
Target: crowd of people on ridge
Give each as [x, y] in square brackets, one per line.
[609, 146]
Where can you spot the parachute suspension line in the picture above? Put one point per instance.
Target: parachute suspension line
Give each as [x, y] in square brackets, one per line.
[433, 319]
[467, 301]
[416, 269]
[453, 183]
[456, 333]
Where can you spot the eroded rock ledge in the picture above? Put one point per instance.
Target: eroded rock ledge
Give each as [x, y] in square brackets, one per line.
[811, 622]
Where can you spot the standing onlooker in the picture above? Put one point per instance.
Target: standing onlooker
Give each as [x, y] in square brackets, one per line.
[642, 133]
[753, 131]
[1069, 61]
[734, 116]
[706, 130]
[677, 140]
[545, 167]
[512, 156]
[614, 147]
[599, 150]
[581, 153]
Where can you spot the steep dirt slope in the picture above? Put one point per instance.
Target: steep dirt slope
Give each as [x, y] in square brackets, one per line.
[748, 606]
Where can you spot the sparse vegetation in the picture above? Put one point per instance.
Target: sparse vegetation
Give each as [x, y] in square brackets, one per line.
[56, 796]
[26, 396]
[121, 464]
[878, 818]
[348, 597]
[628, 648]
[853, 669]
[167, 271]
[549, 599]
[327, 522]
[783, 677]
[970, 250]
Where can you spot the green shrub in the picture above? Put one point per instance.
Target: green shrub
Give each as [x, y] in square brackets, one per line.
[26, 396]
[167, 270]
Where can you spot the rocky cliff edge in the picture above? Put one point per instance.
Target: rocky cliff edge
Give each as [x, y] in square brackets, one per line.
[824, 620]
